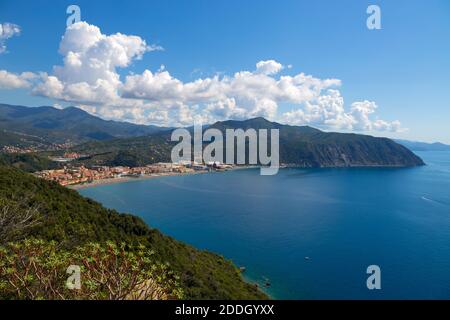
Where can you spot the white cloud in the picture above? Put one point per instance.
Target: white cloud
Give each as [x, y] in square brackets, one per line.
[269, 67]
[89, 78]
[329, 111]
[361, 112]
[7, 31]
[10, 80]
[50, 87]
[91, 58]
[243, 95]
[326, 110]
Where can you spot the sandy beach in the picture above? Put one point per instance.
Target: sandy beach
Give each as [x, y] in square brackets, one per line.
[145, 177]
[128, 179]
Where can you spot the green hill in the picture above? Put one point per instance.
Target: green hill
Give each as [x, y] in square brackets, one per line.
[16, 139]
[120, 143]
[309, 147]
[29, 162]
[72, 220]
[132, 152]
[299, 145]
[69, 124]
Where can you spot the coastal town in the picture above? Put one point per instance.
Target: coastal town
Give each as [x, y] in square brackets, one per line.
[69, 176]
[19, 149]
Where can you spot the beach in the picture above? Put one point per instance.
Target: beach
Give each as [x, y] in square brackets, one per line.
[101, 182]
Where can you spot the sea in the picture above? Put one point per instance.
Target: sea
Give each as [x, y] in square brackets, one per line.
[310, 233]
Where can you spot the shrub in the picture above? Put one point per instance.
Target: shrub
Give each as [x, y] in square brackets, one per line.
[36, 269]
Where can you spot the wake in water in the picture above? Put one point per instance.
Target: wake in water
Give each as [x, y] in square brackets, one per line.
[434, 201]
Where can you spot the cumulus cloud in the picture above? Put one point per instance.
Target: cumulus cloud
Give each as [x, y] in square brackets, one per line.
[361, 112]
[7, 31]
[89, 78]
[10, 80]
[269, 67]
[243, 95]
[329, 111]
[91, 59]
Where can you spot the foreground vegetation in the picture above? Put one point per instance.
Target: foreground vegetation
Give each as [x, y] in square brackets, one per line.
[74, 222]
[35, 269]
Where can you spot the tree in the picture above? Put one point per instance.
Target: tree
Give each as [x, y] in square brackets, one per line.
[117, 273]
[16, 217]
[35, 269]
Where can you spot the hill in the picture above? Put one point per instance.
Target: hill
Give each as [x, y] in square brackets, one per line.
[70, 124]
[72, 220]
[121, 143]
[310, 147]
[28, 162]
[16, 139]
[423, 146]
[299, 145]
[132, 152]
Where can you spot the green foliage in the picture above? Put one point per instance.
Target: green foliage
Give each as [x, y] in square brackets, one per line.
[308, 147]
[16, 218]
[13, 138]
[300, 146]
[35, 269]
[120, 143]
[131, 152]
[73, 221]
[32, 270]
[58, 126]
[28, 162]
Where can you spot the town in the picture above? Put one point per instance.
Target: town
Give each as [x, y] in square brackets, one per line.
[20, 149]
[84, 175]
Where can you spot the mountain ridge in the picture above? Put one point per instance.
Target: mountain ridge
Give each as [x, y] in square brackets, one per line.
[311, 147]
[122, 143]
[74, 124]
[423, 146]
[301, 146]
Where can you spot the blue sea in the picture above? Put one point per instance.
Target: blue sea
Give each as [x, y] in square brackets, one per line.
[311, 232]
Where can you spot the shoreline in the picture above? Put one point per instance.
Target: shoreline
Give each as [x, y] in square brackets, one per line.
[245, 278]
[110, 181]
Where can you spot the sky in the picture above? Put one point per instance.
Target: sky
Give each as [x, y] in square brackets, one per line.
[173, 63]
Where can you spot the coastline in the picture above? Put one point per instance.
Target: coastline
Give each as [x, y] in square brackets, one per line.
[128, 179]
[110, 181]
[244, 277]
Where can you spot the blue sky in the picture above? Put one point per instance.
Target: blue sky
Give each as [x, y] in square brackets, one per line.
[404, 67]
